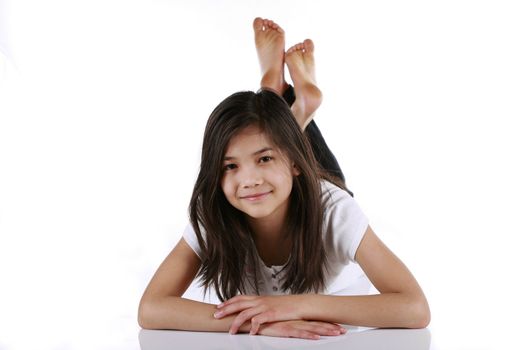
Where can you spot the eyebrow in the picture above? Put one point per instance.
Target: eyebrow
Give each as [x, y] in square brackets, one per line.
[262, 150]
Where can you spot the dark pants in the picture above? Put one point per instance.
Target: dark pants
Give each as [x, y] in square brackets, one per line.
[322, 153]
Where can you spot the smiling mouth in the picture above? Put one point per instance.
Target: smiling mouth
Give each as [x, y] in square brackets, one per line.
[257, 196]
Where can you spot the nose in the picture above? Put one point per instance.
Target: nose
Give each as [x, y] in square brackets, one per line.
[250, 176]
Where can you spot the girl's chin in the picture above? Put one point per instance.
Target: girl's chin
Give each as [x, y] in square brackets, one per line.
[255, 215]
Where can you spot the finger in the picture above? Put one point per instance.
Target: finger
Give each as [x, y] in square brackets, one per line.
[233, 308]
[322, 328]
[322, 323]
[234, 300]
[264, 317]
[255, 327]
[327, 325]
[296, 330]
[303, 334]
[243, 317]
[231, 300]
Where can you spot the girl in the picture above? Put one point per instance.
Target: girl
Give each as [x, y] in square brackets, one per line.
[278, 237]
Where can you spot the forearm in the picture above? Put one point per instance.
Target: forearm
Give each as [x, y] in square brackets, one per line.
[396, 310]
[183, 314]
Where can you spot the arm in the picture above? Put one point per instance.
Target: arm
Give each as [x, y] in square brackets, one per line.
[162, 307]
[400, 304]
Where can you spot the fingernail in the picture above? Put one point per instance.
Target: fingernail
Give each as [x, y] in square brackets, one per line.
[219, 306]
[343, 330]
[217, 314]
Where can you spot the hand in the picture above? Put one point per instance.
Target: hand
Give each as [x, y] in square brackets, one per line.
[260, 310]
[301, 329]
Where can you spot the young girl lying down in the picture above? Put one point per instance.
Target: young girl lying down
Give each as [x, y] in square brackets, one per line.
[273, 228]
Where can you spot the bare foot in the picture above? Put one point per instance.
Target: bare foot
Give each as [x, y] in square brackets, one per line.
[301, 65]
[269, 42]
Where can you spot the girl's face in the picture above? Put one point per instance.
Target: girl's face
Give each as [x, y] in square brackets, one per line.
[257, 177]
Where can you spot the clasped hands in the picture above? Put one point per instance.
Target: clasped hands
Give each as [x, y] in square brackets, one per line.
[279, 316]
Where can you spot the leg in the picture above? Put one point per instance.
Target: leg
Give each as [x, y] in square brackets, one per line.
[301, 65]
[322, 152]
[269, 42]
[304, 100]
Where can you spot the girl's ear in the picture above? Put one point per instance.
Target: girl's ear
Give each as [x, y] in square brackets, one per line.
[295, 171]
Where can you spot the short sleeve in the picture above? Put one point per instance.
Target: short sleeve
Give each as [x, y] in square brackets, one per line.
[190, 237]
[344, 223]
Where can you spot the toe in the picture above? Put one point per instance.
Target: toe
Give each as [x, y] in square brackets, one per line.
[274, 25]
[298, 47]
[308, 45]
[258, 23]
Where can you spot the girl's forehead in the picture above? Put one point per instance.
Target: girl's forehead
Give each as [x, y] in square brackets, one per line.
[248, 139]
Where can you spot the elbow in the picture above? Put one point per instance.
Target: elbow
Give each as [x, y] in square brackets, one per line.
[144, 316]
[420, 315]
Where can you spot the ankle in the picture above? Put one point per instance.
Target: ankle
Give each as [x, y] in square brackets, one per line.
[273, 81]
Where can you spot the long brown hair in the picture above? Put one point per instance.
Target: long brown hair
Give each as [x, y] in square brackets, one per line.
[224, 236]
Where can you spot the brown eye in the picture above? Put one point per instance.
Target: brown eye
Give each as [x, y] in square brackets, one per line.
[265, 159]
[229, 167]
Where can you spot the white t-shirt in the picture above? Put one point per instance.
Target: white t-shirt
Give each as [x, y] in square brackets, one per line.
[344, 225]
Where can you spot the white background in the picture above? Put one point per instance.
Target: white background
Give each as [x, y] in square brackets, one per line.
[102, 109]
